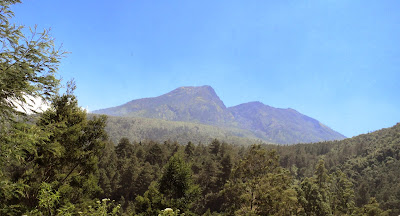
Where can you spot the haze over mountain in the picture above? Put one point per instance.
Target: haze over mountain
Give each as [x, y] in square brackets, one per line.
[281, 125]
[202, 105]
[193, 104]
[141, 129]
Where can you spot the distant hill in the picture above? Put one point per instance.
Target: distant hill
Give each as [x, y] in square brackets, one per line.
[281, 125]
[203, 106]
[139, 129]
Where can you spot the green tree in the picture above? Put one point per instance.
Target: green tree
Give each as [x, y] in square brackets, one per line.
[144, 179]
[124, 149]
[108, 171]
[313, 194]
[208, 177]
[276, 194]
[259, 186]
[151, 202]
[176, 184]
[189, 149]
[342, 194]
[102, 208]
[66, 157]
[128, 172]
[226, 169]
[310, 198]
[371, 209]
[215, 147]
[48, 199]
[28, 64]
[155, 154]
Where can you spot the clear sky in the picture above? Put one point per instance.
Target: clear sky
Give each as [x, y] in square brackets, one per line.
[337, 61]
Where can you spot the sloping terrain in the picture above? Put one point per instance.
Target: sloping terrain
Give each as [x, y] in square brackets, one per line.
[139, 129]
[190, 104]
[202, 105]
[281, 125]
[371, 161]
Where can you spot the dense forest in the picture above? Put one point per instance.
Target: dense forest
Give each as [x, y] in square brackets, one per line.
[136, 128]
[65, 165]
[62, 162]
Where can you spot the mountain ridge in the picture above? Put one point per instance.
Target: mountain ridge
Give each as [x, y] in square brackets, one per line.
[193, 104]
[202, 105]
[281, 125]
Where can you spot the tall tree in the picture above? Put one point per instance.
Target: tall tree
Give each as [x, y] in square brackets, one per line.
[79, 141]
[313, 194]
[177, 185]
[155, 154]
[259, 186]
[66, 158]
[124, 149]
[28, 64]
[108, 171]
[342, 194]
[189, 150]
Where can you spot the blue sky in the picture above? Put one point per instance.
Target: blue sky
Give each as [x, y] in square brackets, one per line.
[337, 61]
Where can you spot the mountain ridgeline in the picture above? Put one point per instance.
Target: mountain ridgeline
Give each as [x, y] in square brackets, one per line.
[201, 105]
[187, 104]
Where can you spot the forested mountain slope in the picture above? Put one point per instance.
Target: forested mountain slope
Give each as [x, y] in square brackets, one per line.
[356, 176]
[192, 104]
[202, 105]
[371, 161]
[281, 125]
[139, 129]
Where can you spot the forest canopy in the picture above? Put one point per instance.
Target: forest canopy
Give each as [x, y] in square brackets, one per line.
[61, 162]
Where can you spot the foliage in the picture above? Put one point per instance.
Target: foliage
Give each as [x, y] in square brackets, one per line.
[140, 129]
[28, 64]
[170, 212]
[260, 186]
[101, 208]
[177, 185]
[370, 162]
[61, 162]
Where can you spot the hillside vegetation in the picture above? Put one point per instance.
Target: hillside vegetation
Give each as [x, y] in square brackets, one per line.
[136, 128]
[62, 162]
[371, 161]
[356, 176]
[202, 105]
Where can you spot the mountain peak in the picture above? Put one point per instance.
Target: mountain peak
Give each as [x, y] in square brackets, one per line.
[205, 92]
[194, 90]
[201, 104]
[187, 103]
[253, 103]
[195, 87]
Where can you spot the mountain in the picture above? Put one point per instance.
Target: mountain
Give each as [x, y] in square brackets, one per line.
[190, 104]
[281, 125]
[202, 105]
